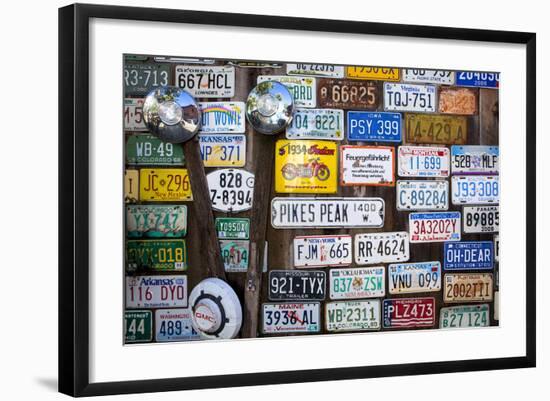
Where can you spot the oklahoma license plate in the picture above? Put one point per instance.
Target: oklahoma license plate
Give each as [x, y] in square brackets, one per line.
[381, 247]
[423, 161]
[294, 285]
[374, 126]
[422, 195]
[156, 292]
[474, 159]
[477, 79]
[303, 89]
[441, 77]
[222, 117]
[352, 315]
[206, 81]
[133, 115]
[316, 124]
[468, 287]
[156, 221]
[409, 312]
[434, 227]
[138, 326]
[223, 150]
[475, 189]
[139, 79]
[235, 255]
[409, 97]
[374, 73]
[145, 149]
[233, 228]
[164, 185]
[457, 100]
[436, 129]
[462, 316]
[367, 165]
[360, 282]
[156, 254]
[321, 70]
[348, 94]
[174, 325]
[480, 219]
[291, 317]
[322, 250]
[471, 255]
[231, 190]
[407, 278]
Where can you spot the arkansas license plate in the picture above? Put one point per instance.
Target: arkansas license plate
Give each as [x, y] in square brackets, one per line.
[423, 161]
[206, 81]
[291, 317]
[474, 159]
[367, 165]
[409, 97]
[428, 76]
[156, 221]
[480, 219]
[138, 326]
[235, 255]
[407, 278]
[316, 124]
[409, 312]
[294, 285]
[458, 100]
[321, 70]
[145, 149]
[156, 292]
[374, 126]
[222, 117]
[473, 255]
[475, 189]
[436, 129]
[381, 247]
[223, 150]
[133, 115]
[470, 287]
[352, 315]
[462, 316]
[422, 195]
[322, 250]
[374, 73]
[231, 190]
[139, 79]
[477, 79]
[348, 94]
[174, 325]
[303, 89]
[164, 185]
[361, 282]
[233, 228]
[434, 227]
[156, 255]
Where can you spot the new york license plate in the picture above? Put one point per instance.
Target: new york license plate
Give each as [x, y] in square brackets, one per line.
[348, 94]
[133, 115]
[455, 317]
[409, 97]
[407, 278]
[138, 326]
[174, 325]
[231, 190]
[472, 255]
[409, 312]
[222, 117]
[164, 185]
[353, 315]
[381, 247]
[374, 126]
[422, 195]
[374, 73]
[206, 81]
[294, 285]
[322, 250]
[235, 255]
[436, 129]
[145, 149]
[156, 291]
[474, 159]
[316, 124]
[428, 76]
[139, 79]
[477, 79]
[156, 254]
[468, 287]
[423, 161]
[156, 221]
[289, 317]
[360, 282]
[480, 219]
[303, 89]
[233, 228]
[223, 150]
[475, 189]
[434, 227]
[321, 70]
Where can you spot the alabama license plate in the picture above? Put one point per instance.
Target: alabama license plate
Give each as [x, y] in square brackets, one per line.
[295, 285]
[156, 221]
[156, 254]
[422, 195]
[477, 79]
[475, 189]
[352, 315]
[164, 185]
[133, 115]
[145, 149]
[322, 250]
[456, 317]
[174, 325]
[408, 278]
[231, 190]
[360, 282]
[423, 161]
[410, 97]
[381, 247]
[138, 326]
[472, 255]
[409, 312]
[139, 79]
[233, 228]
[320, 70]
[367, 165]
[474, 159]
[131, 186]
[374, 73]
[206, 81]
[468, 287]
[316, 124]
[348, 94]
[434, 227]
[435, 129]
[454, 100]
[222, 117]
[480, 219]
[291, 317]
[374, 126]
[303, 89]
[441, 77]
[156, 292]
[235, 255]
[223, 150]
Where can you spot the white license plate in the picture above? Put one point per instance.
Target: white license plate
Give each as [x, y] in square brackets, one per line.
[367, 165]
[156, 292]
[223, 150]
[322, 250]
[353, 315]
[409, 97]
[434, 227]
[422, 195]
[408, 278]
[428, 76]
[316, 124]
[174, 325]
[222, 117]
[475, 190]
[303, 89]
[231, 190]
[474, 159]
[423, 161]
[361, 282]
[206, 81]
[497, 247]
[320, 70]
[381, 247]
[291, 317]
[462, 316]
[480, 219]
[470, 287]
[133, 115]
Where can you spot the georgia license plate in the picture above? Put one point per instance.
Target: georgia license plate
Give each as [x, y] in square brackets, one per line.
[140, 79]
[206, 81]
[409, 312]
[322, 250]
[138, 326]
[423, 161]
[156, 254]
[327, 212]
[409, 97]
[131, 186]
[422, 195]
[367, 165]
[458, 101]
[436, 129]
[381, 247]
[477, 79]
[480, 219]
[473, 255]
[231, 190]
[360, 282]
[434, 227]
[474, 159]
[223, 150]
[455, 317]
[428, 76]
[156, 221]
[468, 287]
[133, 115]
[294, 285]
[156, 292]
[348, 94]
[233, 228]
[174, 325]
[374, 73]
[321, 70]
[475, 189]
[408, 278]
[235, 255]
[145, 149]
[316, 124]
[164, 185]
[291, 317]
[374, 126]
[303, 89]
[353, 315]
[222, 117]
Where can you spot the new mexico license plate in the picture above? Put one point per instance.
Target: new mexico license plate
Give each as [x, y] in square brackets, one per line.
[164, 185]
[374, 73]
[139, 79]
[156, 292]
[477, 79]
[291, 317]
[303, 89]
[294, 285]
[138, 326]
[322, 250]
[408, 278]
[474, 159]
[374, 126]
[206, 81]
[133, 115]
[381, 247]
[222, 117]
[422, 195]
[145, 149]
[223, 150]
[231, 190]
[409, 312]
[423, 161]
[156, 255]
[367, 165]
[233, 228]
[352, 315]
[462, 316]
[409, 97]
[428, 76]
[316, 124]
[436, 129]
[475, 189]
[348, 94]
[434, 227]
[235, 255]
[174, 325]
[480, 219]
[470, 287]
[321, 70]
[361, 282]
[473, 255]
[156, 221]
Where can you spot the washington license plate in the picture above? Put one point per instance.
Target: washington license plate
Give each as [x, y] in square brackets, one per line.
[409, 97]
[156, 255]
[422, 195]
[474, 159]
[472, 255]
[223, 150]
[374, 126]
[156, 292]
[381, 247]
[480, 219]
[291, 317]
[360, 282]
[462, 316]
[407, 278]
[164, 185]
[138, 326]
[348, 94]
[475, 189]
[231, 190]
[374, 73]
[435, 129]
[233, 228]
[441, 77]
[321, 70]
[303, 89]
[322, 250]
[235, 255]
[174, 325]
[409, 312]
[423, 161]
[477, 79]
[206, 81]
[133, 115]
[156, 221]
[353, 315]
[145, 149]
[434, 227]
[139, 79]
[222, 117]
[294, 285]
[472, 287]
[316, 124]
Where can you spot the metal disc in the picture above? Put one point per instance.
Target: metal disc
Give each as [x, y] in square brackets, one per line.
[269, 107]
[171, 114]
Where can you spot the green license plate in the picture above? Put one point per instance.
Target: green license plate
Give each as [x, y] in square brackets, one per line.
[232, 228]
[156, 255]
[235, 255]
[156, 221]
[138, 326]
[464, 316]
[139, 79]
[150, 150]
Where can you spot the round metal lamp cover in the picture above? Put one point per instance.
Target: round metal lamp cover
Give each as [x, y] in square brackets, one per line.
[269, 107]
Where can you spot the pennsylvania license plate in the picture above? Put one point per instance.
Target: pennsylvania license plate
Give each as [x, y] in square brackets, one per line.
[131, 186]
[348, 94]
[222, 117]
[321, 70]
[223, 150]
[303, 89]
[156, 292]
[233, 228]
[174, 325]
[353, 315]
[475, 189]
[133, 115]
[145, 149]
[423, 161]
[138, 326]
[409, 312]
[322, 250]
[480, 219]
[408, 278]
[374, 126]
[474, 159]
[374, 73]
[422, 195]
[156, 254]
[434, 227]
[231, 190]
[235, 255]
[316, 124]
[381, 247]
[458, 101]
[472, 287]
[456, 317]
[428, 76]
[206, 81]
[156, 221]
[435, 129]
[164, 185]
[410, 97]
[473, 255]
[478, 79]
[367, 165]
[360, 282]
[291, 317]
[294, 285]
[140, 79]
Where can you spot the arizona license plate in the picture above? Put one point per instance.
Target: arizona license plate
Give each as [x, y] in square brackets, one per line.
[294, 285]
[428, 76]
[156, 292]
[381, 247]
[462, 316]
[223, 150]
[206, 81]
[374, 73]
[436, 129]
[423, 161]
[303, 89]
[360, 282]
[291, 317]
[478, 79]
[458, 100]
[164, 185]
[474, 159]
[348, 94]
[327, 212]
[434, 227]
[409, 312]
[156, 221]
[480, 219]
[409, 97]
[367, 165]
[138, 326]
[407, 278]
[322, 250]
[156, 254]
[139, 79]
[131, 186]
[321, 70]
[353, 315]
[231, 190]
[475, 189]
[145, 149]
[133, 115]
[222, 117]
[174, 325]
[316, 124]
[472, 255]
[422, 195]
[235, 255]
[233, 228]
[374, 126]
[468, 287]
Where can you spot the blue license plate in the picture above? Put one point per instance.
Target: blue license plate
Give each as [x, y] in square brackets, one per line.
[475, 255]
[477, 79]
[374, 127]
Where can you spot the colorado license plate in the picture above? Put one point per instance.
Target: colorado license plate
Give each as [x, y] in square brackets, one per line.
[348, 94]
[428, 76]
[423, 161]
[472, 255]
[145, 149]
[374, 73]
[352, 315]
[436, 129]
[156, 255]
[206, 81]
[462, 316]
[231, 190]
[316, 124]
[480, 219]
[322, 250]
[223, 150]
[422, 195]
[291, 317]
[434, 227]
[374, 126]
[457, 100]
[474, 159]
[407, 278]
[164, 185]
[361, 282]
[409, 312]
[235, 255]
[133, 115]
[174, 325]
[409, 97]
[139, 79]
[294, 285]
[222, 117]
[475, 189]
[367, 165]
[303, 89]
[156, 221]
[478, 79]
[381, 247]
[156, 292]
[138, 326]
[321, 70]
[470, 287]
[233, 228]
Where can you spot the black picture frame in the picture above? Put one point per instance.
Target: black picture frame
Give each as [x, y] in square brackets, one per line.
[74, 198]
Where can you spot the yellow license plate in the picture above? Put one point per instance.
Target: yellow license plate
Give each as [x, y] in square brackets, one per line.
[164, 185]
[375, 73]
[425, 128]
[131, 186]
[305, 167]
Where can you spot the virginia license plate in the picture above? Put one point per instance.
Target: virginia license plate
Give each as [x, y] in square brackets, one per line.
[321, 70]
[235, 255]
[131, 186]
[133, 115]
[145, 149]
[407, 278]
[174, 325]
[223, 150]
[409, 312]
[231, 190]
[233, 228]
[409, 97]
[434, 227]
[374, 73]
[381, 247]
[374, 126]
[353, 315]
[423, 161]
[156, 254]
[303, 89]
[206, 81]
[478, 79]
[322, 250]
[457, 101]
[422, 195]
[475, 189]
[316, 124]
[348, 94]
[222, 117]
[367, 165]
[480, 219]
[474, 159]
[472, 255]
[360, 282]
[436, 129]
[156, 292]
[156, 221]
[456, 317]
[139, 79]
[295, 285]
[291, 317]
[468, 287]
[138, 326]
[164, 185]
[428, 76]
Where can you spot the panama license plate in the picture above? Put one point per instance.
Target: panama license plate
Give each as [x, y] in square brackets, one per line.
[478, 79]
[156, 221]
[156, 291]
[422, 195]
[381, 247]
[436, 129]
[353, 315]
[480, 219]
[206, 81]
[322, 250]
[223, 150]
[139, 79]
[164, 185]
[222, 117]
[138, 326]
[409, 312]
[360, 282]
[156, 254]
[235, 255]
[441, 77]
[407, 278]
[321, 70]
[434, 227]
[374, 126]
[463, 316]
[133, 115]
[423, 161]
[295, 285]
[475, 189]
[231, 190]
[316, 124]
[475, 159]
[468, 287]
[374, 73]
[145, 149]
[409, 97]
[233, 228]
[290, 317]
[469, 255]
[303, 89]
[348, 94]
[174, 325]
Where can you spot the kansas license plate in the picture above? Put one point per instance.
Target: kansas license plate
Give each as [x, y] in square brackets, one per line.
[374, 126]
[303, 89]
[156, 254]
[322, 250]
[374, 73]
[316, 124]
[381, 247]
[139, 79]
[352, 315]
[408, 278]
[156, 292]
[133, 115]
[409, 97]
[428, 76]
[206, 81]
[422, 195]
[434, 227]
[367, 165]
[231, 190]
[472, 255]
[291, 317]
[294, 285]
[468, 287]
[462, 316]
[145, 149]
[233, 228]
[423, 161]
[131, 186]
[474, 159]
[164, 185]
[457, 100]
[156, 221]
[138, 326]
[478, 79]
[436, 129]
[348, 94]
[235, 254]
[480, 219]
[223, 150]
[321, 70]
[475, 189]
[174, 325]
[360, 282]
[409, 312]
[222, 117]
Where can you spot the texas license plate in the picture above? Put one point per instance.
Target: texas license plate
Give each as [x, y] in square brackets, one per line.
[436, 129]
[475, 189]
[423, 161]
[408, 278]
[462, 316]
[474, 159]
[131, 186]
[472, 255]
[381, 247]
[231, 190]
[409, 312]
[174, 325]
[145, 149]
[139, 79]
[233, 228]
[316, 124]
[321, 70]
[353, 315]
[156, 254]
[348, 94]
[235, 255]
[133, 115]
[477, 79]
[457, 101]
[156, 292]
[322, 250]
[156, 221]
[367, 165]
[422, 195]
[206, 81]
[480, 219]
[164, 185]
[434, 227]
[223, 150]
[303, 89]
[428, 76]
[138, 326]
[291, 317]
[409, 97]
[294, 285]
[222, 117]
[374, 73]
[468, 287]
[360, 282]
[374, 126]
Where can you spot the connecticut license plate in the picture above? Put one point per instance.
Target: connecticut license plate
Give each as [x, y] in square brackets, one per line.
[436, 129]
[462, 316]
[409, 312]
[322, 250]
[472, 255]
[407, 278]
[138, 326]
[206, 81]
[156, 292]
[423, 161]
[374, 126]
[428, 76]
[222, 117]
[235, 254]
[475, 189]
[381, 247]
[471, 287]
[422, 195]
[353, 315]
[223, 150]
[361, 282]
[410, 97]
[374, 73]
[316, 124]
[434, 227]
[477, 79]
[291, 317]
[164, 185]
[145, 149]
[156, 254]
[139, 79]
[480, 219]
[231, 190]
[348, 94]
[474, 159]
[133, 115]
[156, 221]
[174, 325]
[294, 285]
[303, 89]
[321, 70]
[233, 228]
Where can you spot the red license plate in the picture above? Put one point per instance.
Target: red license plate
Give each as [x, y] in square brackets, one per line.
[409, 312]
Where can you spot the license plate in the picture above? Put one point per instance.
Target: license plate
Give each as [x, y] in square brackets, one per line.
[174, 325]
[294, 285]
[164, 185]
[231, 190]
[327, 212]
[436, 129]
[428, 76]
[145, 149]
[374, 73]
[233, 228]
[131, 186]
[222, 117]
[496, 303]
[133, 115]
[457, 101]
[235, 255]
[409, 97]
[316, 124]
[462, 316]
[478, 79]
[422, 195]
[156, 221]
[374, 126]
[367, 165]
[348, 94]
[305, 166]
[353, 315]
[156, 255]
[470, 287]
[303, 89]
[475, 189]
[291, 318]
[480, 219]
[360, 282]
[434, 227]
[223, 150]
[138, 326]
[381, 247]
[497, 247]
[156, 292]
[206, 81]
[474, 159]
[409, 312]
[423, 161]
[320, 70]
[473, 255]
[322, 250]
[140, 79]
[408, 278]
